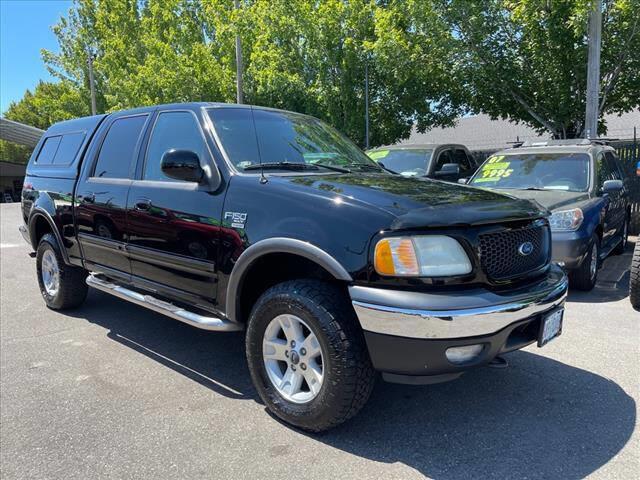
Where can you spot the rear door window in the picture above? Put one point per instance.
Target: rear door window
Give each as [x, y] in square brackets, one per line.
[48, 150]
[119, 147]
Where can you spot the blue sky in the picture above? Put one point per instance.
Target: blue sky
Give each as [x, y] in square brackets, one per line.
[25, 29]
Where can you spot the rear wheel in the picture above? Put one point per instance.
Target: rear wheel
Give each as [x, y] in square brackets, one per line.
[634, 282]
[62, 286]
[307, 355]
[585, 276]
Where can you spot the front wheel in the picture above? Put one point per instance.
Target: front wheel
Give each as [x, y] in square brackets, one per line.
[585, 276]
[62, 286]
[307, 355]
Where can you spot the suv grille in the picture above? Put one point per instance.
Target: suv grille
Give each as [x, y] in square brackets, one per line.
[502, 254]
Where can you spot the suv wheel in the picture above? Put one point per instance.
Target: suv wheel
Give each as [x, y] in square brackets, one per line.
[625, 237]
[634, 282]
[307, 355]
[62, 286]
[585, 276]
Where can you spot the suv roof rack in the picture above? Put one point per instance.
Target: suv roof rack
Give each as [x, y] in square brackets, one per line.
[568, 141]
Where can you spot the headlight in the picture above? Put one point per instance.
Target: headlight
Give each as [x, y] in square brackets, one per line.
[426, 256]
[566, 220]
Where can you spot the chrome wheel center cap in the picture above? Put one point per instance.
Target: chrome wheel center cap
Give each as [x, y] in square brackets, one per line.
[295, 358]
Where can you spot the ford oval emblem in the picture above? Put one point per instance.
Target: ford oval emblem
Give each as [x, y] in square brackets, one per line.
[525, 249]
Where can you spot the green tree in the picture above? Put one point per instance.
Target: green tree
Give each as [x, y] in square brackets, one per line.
[306, 56]
[49, 103]
[526, 60]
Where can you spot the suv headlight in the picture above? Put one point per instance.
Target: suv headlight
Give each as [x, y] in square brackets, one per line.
[566, 220]
[421, 256]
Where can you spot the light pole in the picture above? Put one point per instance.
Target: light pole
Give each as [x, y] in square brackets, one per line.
[92, 82]
[593, 70]
[366, 103]
[239, 96]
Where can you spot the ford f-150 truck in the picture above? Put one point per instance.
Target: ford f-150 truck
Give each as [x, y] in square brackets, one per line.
[232, 217]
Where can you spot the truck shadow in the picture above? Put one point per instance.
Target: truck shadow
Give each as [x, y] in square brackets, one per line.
[213, 359]
[539, 418]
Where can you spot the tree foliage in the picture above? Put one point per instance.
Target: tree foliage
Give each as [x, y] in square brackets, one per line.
[526, 60]
[429, 61]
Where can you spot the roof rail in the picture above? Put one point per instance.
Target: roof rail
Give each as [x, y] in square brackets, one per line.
[568, 141]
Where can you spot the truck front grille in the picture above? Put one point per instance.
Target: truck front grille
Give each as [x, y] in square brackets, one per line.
[503, 254]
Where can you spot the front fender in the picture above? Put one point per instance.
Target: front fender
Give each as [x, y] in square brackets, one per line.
[277, 245]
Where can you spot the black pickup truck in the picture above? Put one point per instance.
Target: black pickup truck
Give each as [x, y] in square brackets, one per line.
[231, 217]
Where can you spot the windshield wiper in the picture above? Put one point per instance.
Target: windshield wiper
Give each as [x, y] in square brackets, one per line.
[537, 189]
[366, 166]
[332, 167]
[281, 166]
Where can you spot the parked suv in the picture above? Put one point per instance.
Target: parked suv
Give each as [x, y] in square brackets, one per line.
[231, 217]
[448, 162]
[585, 187]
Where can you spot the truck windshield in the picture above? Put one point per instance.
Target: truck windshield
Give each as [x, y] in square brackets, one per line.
[543, 171]
[408, 162]
[286, 141]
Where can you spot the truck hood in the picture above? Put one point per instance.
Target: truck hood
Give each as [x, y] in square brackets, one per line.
[420, 202]
[550, 199]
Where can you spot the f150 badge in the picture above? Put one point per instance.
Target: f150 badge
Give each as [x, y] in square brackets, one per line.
[237, 219]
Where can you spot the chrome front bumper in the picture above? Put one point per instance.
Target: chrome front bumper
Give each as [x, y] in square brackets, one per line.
[457, 315]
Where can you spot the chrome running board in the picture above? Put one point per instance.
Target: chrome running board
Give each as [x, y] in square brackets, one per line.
[165, 308]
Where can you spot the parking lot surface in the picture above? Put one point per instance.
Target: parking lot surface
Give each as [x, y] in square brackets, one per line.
[112, 390]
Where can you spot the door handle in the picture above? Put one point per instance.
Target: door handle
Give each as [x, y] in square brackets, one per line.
[143, 205]
[88, 198]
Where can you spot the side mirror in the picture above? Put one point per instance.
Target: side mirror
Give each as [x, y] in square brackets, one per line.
[182, 165]
[612, 186]
[448, 169]
[463, 181]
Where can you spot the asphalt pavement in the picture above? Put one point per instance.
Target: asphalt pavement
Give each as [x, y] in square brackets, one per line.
[112, 390]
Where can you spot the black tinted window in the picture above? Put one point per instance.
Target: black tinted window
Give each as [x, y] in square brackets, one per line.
[460, 157]
[444, 157]
[68, 148]
[48, 151]
[603, 170]
[173, 130]
[613, 166]
[119, 147]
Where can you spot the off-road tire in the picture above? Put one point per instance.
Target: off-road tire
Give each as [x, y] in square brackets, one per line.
[581, 278]
[634, 281]
[348, 375]
[72, 289]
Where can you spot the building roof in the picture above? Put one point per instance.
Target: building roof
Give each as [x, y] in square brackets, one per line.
[479, 132]
[19, 133]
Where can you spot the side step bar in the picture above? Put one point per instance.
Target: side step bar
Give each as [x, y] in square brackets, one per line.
[165, 308]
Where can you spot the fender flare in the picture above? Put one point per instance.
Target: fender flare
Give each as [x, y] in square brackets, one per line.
[39, 212]
[277, 245]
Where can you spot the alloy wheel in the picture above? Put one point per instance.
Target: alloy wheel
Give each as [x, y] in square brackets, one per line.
[50, 272]
[293, 358]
